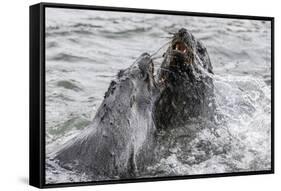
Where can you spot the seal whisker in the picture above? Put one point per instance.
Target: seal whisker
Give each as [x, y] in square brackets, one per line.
[157, 63]
[153, 54]
[166, 70]
[166, 37]
[158, 57]
[202, 69]
[171, 33]
[136, 61]
[210, 75]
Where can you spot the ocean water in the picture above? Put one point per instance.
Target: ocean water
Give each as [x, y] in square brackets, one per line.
[85, 49]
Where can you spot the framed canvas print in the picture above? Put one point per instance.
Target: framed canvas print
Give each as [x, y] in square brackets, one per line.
[128, 95]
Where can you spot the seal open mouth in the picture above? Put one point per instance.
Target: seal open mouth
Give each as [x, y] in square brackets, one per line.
[181, 52]
[180, 46]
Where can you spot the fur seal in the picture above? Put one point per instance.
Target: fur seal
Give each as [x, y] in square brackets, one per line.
[119, 141]
[186, 88]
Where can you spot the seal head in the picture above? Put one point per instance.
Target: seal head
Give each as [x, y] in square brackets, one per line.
[185, 81]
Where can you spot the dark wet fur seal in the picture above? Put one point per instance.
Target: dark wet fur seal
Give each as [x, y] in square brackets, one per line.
[186, 88]
[119, 142]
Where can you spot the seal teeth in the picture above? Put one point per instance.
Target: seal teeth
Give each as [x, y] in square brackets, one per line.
[179, 46]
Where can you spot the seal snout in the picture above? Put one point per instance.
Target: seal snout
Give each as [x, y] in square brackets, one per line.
[179, 39]
[181, 42]
[182, 47]
[146, 64]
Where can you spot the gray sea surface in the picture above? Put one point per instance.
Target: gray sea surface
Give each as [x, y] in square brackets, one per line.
[85, 49]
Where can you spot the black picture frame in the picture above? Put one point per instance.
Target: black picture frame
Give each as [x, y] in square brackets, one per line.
[37, 95]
